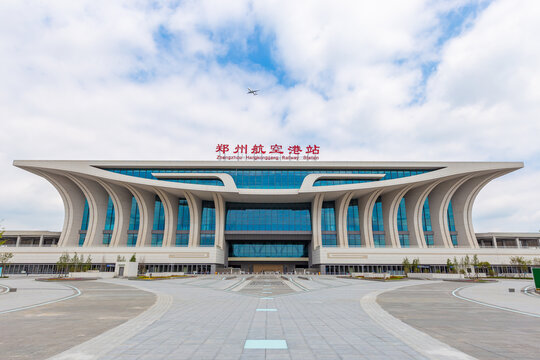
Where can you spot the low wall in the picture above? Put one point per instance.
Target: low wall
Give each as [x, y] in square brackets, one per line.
[432, 276]
[91, 274]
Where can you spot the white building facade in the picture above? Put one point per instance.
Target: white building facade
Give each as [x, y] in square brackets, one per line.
[332, 216]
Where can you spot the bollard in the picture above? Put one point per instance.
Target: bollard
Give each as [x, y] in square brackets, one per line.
[511, 290]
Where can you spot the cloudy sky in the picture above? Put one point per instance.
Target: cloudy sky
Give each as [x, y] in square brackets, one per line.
[378, 80]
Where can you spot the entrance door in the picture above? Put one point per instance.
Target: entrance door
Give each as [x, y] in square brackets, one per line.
[259, 268]
[121, 271]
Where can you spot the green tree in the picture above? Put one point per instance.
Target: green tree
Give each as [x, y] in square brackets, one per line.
[414, 265]
[450, 266]
[63, 263]
[406, 266]
[5, 257]
[87, 264]
[133, 258]
[521, 263]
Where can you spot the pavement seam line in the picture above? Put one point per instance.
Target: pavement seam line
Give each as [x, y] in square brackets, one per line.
[456, 294]
[416, 339]
[77, 293]
[110, 339]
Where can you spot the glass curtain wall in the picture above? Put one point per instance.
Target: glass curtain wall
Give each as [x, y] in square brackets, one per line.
[271, 178]
[159, 223]
[134, 219]
[452, 224]
[403, 231]
[208, 223]
[426, 224]
[353, 225]
[182, 227]
[328, 224]
[268, 217]
[84, 224]
[377, 224]
[109, 223]
[273, 248]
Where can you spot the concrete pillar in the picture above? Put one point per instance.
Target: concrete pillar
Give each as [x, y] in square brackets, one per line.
[316, 208]
[73, 199]
[97, 204]
[146, 202]
[195, 213]
[494, 240]
[365, 212]
[414, 202]
[342, 205]
[390, 207]
[462, 203]
[219, 205]
[121, 198]
[439, 199]
[18, 243]
[518, 243]
[41, 241]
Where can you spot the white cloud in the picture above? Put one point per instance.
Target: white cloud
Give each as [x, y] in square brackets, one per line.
[89, 80]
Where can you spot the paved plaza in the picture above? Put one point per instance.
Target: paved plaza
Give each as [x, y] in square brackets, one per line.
[267, 317]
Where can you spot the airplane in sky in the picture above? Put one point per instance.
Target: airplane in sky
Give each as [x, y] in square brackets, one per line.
[254, 92]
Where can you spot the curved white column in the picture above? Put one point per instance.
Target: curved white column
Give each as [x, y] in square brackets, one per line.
[170, 206]
[316, 207]
[121, 198]
[195, 213]
[98, 200]
[365, 213]
[219, 205]
[439, 199]
[146, 203]
[342, 205]
[414, 203]
[390, 207]
[73, 199]
[462, 203]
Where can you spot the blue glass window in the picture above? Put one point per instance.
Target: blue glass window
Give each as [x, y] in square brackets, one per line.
[353, 220]
[82, 237]
[109, 223]
[271, 178]
[402, 216]
[208, 224]
[426, 216]
[134, 217]
[107, 238]
[331, 182]
[157, 239]
[454, 239]
[288, 249]
[84, 224]
[353, 225]
[378, 240]
[377, 218]
[429, 240]
[182, 239]
[207, 239]
[328, 216]
[450, 214]
[329, 240]
[183, 215]
[159, 215]
[404, 240]
[268, 217]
